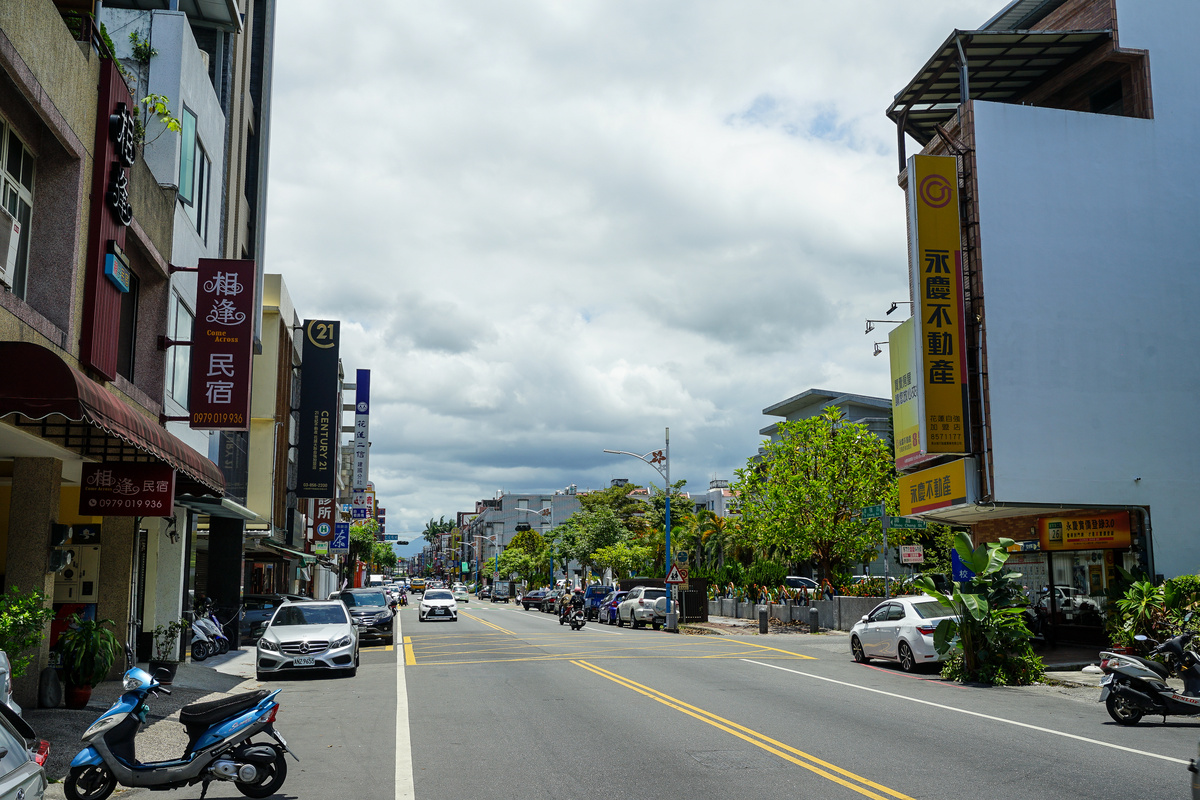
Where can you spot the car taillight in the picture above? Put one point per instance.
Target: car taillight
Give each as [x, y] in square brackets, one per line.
[641, 602]
[42, 753]
[926, 630]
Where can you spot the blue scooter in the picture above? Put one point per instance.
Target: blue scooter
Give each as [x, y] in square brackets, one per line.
[219, 746]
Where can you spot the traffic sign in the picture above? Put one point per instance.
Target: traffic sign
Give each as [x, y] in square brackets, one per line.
[958, 570]
[908, 522]
[912, 554]
[872, 512]
[341, 538]
[682, 556]
[675, 576]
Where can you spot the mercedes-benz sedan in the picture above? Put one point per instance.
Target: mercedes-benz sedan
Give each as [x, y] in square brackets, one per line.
[438, 604]
[315, 635]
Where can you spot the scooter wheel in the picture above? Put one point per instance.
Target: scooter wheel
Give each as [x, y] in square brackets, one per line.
[92, 782]
[1120, 709]
[222, 647]
[270, 778]
[200, 651]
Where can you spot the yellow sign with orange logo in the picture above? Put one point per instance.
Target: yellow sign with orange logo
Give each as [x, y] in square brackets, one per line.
[936, 269]
[1094, 532]
[939, 487]
[906, 397]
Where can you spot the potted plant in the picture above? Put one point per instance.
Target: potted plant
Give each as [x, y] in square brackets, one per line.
[88, 651]
[166, 650]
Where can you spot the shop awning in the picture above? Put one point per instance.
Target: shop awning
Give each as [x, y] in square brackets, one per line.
[223, 14]
[48, 397]
[298, 555]
[217, 507]
[1001, 65]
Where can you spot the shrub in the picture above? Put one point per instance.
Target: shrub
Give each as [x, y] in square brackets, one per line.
[766, 573]
[23, 619]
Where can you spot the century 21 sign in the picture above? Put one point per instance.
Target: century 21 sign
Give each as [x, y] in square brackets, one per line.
[320, 415]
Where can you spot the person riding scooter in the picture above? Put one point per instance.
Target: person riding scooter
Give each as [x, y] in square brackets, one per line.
[571, 601]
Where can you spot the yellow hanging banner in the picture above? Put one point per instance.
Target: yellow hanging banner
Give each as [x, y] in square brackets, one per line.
[936, 270]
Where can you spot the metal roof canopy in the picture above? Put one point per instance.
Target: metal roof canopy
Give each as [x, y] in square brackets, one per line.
[984, 65]
[223, 14]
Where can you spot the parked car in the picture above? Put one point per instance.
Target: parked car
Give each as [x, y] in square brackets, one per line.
[608, 607]
[22, 768]
[641, 606]
[484, 592]
[900, 630]
[533, 599]
[257, 610]
[591, 600]
[800, 582]
[315, 635]
[438, 604]
[370, 612]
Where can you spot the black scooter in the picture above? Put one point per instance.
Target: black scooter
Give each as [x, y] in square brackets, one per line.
[1133, 686]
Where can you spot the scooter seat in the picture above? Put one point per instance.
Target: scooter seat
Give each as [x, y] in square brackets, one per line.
[1156, 667]
[206, 714]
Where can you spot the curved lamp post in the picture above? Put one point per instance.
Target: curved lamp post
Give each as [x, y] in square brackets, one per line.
[661, 461]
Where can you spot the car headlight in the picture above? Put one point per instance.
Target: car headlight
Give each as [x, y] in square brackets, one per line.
[267, 644]
[343, 642]
[383, 616]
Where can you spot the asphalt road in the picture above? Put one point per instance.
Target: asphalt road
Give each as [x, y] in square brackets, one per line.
[509, 704]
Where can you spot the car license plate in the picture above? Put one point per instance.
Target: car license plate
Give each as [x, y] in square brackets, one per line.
[439, 611]
[303, 661]
[1107, 679]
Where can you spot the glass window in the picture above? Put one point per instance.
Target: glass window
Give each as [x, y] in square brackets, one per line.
[16, 196]
[179, 324]
[879, 614]
[896, 612]
[126, 350]
[932, 610]
[187, 154]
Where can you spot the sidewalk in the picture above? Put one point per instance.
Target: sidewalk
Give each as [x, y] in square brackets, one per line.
[163, 737]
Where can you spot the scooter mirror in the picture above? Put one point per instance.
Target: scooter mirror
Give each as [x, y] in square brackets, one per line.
[1141, 638]
[162, 674]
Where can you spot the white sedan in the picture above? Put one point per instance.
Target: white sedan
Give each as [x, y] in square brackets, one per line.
[461, 596]
[438, 604]
[900, 629]
[314, 635]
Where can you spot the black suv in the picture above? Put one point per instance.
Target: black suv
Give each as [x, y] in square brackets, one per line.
[370, 612]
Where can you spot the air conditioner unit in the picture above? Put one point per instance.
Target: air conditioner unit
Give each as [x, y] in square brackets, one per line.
[10, 237]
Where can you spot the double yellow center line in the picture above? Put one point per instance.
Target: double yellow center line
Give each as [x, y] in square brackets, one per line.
[831, 772]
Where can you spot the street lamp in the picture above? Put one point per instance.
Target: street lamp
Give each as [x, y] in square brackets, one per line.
[661, 461]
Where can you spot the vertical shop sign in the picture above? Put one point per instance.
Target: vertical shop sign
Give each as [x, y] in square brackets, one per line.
[320, 417]
[222, 345]
[115, 151]
[908, 422]
[937, 280]
[323, 520]
[362, 443]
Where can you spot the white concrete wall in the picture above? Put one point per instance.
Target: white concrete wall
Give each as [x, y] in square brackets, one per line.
[1090, 236]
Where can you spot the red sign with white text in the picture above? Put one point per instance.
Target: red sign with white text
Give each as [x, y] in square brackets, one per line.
[222, 345]
[119, 489]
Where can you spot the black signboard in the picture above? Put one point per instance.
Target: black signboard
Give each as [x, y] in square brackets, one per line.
[320, 417]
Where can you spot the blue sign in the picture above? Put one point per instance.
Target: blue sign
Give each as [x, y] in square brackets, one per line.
[958, 570]
[116, 267]
[341, 538]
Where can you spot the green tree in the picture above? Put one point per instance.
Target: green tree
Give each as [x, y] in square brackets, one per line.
[618, 499]
[588, 531]
[798, 500]
[623, 558]
[435, 528]
[23, 618]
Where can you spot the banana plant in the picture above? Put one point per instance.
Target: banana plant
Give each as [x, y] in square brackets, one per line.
[977, 604]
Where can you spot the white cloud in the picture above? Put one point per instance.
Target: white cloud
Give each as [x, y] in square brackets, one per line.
[552, 227]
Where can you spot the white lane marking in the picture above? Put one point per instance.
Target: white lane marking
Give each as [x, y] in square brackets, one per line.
[404, 771]
[974, 714]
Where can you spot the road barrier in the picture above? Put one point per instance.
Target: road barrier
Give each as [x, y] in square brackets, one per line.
[839, 614]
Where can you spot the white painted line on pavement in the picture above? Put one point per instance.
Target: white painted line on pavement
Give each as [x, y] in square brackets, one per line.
[974, 713]
[404, 770]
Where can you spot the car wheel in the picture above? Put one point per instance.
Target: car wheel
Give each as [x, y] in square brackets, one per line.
[656, 625]
[857, 649]
[620, 622]
[633, 621]
[907, 662]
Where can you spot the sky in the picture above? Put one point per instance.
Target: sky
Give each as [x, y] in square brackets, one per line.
[552, 227]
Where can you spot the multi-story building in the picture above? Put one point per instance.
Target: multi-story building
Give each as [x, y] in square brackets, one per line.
[497, 520]
[1069, 168]
[873, 412]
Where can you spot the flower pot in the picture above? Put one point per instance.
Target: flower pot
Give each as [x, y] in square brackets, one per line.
[169, 666]
[77, 696]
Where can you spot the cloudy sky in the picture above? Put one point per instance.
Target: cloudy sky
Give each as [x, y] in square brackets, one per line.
[551, 227]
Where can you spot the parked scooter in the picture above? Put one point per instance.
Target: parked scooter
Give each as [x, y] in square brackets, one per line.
[202, 646]
[219, 745]
[1133, 686]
